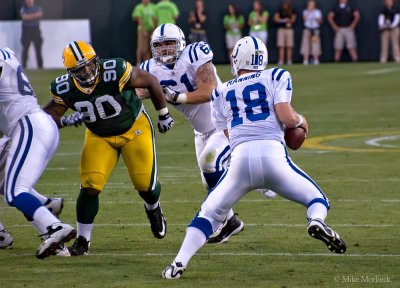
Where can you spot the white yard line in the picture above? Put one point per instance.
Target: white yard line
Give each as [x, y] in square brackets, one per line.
[381, 71]
[246, 224]
[234, 254]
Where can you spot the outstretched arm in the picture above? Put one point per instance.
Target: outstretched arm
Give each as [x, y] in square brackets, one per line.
[143, 79]
[206, 80]
[56, 111]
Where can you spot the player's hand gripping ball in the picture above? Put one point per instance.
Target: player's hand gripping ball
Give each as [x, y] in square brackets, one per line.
[294, 137]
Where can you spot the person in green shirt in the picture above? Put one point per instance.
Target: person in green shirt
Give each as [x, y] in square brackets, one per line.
[166, 12]
[144, 14]
[258, 21]
[233, 24]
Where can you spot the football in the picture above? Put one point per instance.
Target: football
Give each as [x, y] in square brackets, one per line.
[294, 137]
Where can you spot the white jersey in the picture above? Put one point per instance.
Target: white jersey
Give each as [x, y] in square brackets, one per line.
[245, 105]
[182, 79]
[16, 95]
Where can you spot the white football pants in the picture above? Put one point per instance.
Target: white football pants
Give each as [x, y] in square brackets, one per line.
[212, 152]
[260, 164]
[31, 146]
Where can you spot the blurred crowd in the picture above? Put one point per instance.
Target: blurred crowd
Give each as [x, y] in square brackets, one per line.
[342, 18]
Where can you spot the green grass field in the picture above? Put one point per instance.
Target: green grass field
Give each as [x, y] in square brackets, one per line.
[352, 152]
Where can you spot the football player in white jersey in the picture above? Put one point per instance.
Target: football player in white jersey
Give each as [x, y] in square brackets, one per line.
[55, 205]
[253, 110]
[33, 141]
[188, 77]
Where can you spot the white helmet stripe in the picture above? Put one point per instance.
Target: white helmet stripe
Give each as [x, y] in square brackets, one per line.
[78, 56]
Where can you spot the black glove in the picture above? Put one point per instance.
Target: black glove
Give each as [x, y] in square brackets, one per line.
[165, 122]
[75, 119]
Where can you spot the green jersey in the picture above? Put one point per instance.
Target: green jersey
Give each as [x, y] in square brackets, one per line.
[256, 27]
[233, 23]
[166, 12]
[146, 13]
[109, 109]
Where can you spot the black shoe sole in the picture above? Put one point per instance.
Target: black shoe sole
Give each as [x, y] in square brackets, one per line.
[336, 245]
[220, 240]
[51, 251]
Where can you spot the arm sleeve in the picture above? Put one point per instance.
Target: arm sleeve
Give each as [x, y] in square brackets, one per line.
[199, 54]
[217, 116]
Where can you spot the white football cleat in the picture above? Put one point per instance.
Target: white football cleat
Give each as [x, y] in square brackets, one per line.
[173, 271]
[267, 193]
[57, 234]
[319, 230]
[55, 205]
[6, 239]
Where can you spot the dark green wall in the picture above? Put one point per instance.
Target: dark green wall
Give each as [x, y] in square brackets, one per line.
[113, 32]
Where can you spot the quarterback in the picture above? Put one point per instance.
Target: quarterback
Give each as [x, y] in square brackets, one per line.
[102, 92]
[253, 110]
[188, 77]
[29, 142]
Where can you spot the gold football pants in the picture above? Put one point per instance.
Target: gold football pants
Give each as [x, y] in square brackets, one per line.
[137, 147]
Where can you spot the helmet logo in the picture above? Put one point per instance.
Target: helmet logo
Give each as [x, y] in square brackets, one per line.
[237, 51]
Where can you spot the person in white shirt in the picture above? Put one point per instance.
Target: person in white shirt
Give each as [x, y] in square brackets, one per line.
[33, 139]
[311, 42]
[252, 111]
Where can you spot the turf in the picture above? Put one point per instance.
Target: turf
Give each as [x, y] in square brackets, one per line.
[355, 103]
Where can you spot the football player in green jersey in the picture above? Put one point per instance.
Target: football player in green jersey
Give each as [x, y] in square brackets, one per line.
[102, 92]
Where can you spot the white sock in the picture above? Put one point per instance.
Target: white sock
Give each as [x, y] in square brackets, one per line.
[151, 207]
[84, 230]
[317, 210]
[1, 227]
[42, 218]
[43, 199]
[230, 214]
[194, 240]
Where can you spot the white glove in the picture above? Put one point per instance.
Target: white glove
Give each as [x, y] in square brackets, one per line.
[165, 121]
[173, 96]
[75, 119]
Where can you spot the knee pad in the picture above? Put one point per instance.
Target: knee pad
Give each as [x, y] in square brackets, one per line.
[207, 161]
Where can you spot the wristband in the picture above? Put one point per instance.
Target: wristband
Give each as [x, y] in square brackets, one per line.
[182, 98]
[301, 120]
[163, 111]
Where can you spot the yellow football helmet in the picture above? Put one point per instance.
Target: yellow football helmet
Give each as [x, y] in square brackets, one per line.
[81, 62]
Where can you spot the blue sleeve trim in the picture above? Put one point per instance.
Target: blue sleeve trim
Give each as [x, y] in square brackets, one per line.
[274, 72]
[280, 75]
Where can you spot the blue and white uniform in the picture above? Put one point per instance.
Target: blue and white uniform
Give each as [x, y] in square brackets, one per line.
[259, 159]
[31, 138]
[212, 147]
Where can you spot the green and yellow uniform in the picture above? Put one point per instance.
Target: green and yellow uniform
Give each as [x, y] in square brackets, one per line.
[116, 122]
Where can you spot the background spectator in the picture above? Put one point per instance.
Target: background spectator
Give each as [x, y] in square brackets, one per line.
[31, 14]
[344, 19]
[389, 25]
[311, 42]
[145, 15]
[166, 12]
[233, 24]
[258, 22]
[285, 19]
[197, 19]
